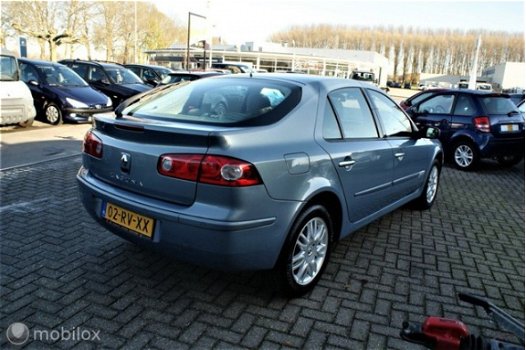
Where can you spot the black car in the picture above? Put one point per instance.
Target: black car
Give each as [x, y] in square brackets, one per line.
[177, 77]
[113, 79]
[59, 93]
[150, 74]
[473, 124]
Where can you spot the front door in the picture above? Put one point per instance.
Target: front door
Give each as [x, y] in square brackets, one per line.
[363, 161]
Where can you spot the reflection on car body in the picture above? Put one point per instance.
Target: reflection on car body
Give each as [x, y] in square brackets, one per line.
[292, 164]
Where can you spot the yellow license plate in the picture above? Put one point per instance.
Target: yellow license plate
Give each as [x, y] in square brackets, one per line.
[140, 224]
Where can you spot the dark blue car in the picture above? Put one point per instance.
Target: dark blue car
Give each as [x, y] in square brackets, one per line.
[474, 125]
[60, 94]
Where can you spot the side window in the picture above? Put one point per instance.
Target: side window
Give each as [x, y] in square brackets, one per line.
[440, 104]
[464, 106]
[149, 74]
[27, 73]
[136, 70]
[80, 69]
[394, 121]
[331, 130]
[97, 74]
[353, 112]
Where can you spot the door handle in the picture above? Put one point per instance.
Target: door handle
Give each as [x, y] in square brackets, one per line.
[400, 156]
[346, 163]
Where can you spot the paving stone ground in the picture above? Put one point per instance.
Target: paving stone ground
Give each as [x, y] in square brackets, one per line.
[61, 270]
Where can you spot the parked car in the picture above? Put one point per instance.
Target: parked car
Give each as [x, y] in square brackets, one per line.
[149, 73]
[474, 124]
[177, 77]
[416, 98]
[170, 79]
[295, 163]
[16, 102]
[114, 80]
[60, 94]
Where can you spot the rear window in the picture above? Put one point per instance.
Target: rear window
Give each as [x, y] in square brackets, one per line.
[498, 104]
[235, 102]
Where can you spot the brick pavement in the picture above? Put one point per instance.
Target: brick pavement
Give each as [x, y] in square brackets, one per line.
[60, 269]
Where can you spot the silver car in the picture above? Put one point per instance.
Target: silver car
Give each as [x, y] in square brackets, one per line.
[288, 166]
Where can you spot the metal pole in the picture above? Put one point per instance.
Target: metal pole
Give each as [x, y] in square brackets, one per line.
[188, 43]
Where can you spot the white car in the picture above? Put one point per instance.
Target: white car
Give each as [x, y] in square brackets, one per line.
[16, 102]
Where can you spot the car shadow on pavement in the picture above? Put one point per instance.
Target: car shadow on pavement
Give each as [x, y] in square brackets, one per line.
[27, 153]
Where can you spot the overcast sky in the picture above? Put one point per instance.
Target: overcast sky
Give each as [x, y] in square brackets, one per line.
[248, 20]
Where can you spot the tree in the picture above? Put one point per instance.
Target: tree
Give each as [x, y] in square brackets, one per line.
[42, 20]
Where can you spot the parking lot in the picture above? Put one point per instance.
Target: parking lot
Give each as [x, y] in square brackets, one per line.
[61, 270]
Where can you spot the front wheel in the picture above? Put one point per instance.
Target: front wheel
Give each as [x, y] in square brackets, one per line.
[429, 193]
[26, 123]
[465, 155]
[307, 251]
[53, 114]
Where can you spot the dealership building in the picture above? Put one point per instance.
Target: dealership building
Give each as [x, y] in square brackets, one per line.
[273, 57]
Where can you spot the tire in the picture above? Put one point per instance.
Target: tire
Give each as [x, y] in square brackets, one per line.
[219, 110]
[53, 114]
[465, 155]
[306, 252]
[429, 193]
[509, 161]
[26, 123]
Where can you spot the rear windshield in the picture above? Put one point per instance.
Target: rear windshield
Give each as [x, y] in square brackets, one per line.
[498, 104]
[236, 102]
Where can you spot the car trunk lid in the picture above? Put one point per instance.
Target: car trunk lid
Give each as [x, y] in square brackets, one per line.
[131, 150]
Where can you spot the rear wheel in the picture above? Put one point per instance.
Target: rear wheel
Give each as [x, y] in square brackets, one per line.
[53, 114]
[307, 251]
[509, 161]
[465, 155]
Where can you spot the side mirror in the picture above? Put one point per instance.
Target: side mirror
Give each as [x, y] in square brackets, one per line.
[431, 132]
[412, 111]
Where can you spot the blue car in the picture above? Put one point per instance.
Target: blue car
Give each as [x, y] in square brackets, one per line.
[286, 166]
[474, 125]
[59, 94]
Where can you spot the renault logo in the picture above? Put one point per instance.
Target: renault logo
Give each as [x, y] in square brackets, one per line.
[125, 162]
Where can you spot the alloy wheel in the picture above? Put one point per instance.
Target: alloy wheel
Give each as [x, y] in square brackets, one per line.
[463, 156]
[310, 251]
[432, 184]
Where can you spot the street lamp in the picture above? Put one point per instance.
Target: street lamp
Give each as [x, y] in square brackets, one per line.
[190, 14]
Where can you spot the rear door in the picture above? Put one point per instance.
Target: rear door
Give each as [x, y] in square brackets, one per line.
[436, 111]
[363, 161]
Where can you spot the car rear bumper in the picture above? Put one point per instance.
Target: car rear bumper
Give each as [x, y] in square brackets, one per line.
[189, 234]
[496, 147]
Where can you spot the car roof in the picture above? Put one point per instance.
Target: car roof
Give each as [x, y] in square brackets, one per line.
[40, 62]
[95, 62]
[305, 79]
[154, 66]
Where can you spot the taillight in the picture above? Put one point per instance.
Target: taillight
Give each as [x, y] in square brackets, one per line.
[181, 166]
[92, 145]
[482, 124]
[216, 170]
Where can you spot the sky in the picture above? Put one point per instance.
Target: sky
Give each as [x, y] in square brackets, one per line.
[237, 21]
